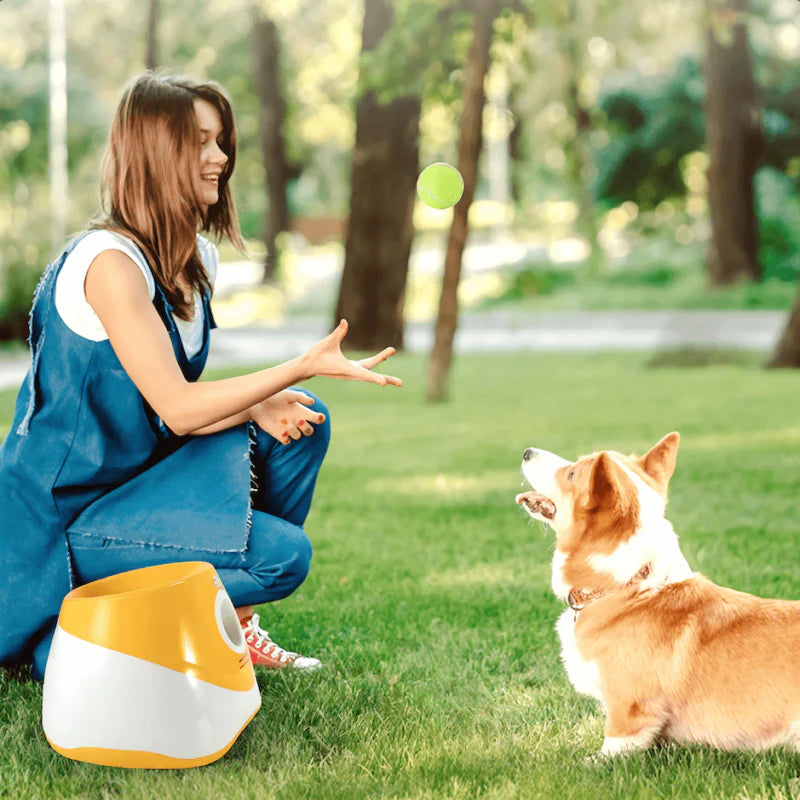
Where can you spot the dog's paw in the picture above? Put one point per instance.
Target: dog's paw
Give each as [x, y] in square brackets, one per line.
[537, 504]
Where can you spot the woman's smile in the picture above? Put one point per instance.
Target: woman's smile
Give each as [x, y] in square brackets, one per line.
[212, 157]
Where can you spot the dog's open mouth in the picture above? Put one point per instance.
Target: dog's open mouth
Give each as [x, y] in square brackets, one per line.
[537, 504]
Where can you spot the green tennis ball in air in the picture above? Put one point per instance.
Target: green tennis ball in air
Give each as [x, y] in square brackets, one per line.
[440, 185]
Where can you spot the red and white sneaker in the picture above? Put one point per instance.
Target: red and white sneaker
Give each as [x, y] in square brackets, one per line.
[265, 653]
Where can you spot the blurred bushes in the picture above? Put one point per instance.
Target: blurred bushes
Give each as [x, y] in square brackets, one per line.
[779, 225]
[21, 266]
[536, 280]
[24, 253]
[653, 122]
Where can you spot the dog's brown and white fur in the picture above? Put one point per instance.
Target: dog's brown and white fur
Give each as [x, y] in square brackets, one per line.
[670, 655]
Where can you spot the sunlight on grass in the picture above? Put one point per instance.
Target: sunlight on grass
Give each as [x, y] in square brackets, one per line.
[589, 733]
[443, 484]
[479, 575]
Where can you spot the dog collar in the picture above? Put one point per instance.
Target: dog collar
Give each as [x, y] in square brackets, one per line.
[578, 599]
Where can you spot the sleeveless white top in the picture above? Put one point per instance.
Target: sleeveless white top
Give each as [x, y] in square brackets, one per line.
[80, 317]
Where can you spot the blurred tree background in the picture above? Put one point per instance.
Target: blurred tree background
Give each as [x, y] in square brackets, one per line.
[596, 137]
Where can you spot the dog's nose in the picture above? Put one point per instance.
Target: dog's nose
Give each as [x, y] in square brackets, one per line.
[528, 454]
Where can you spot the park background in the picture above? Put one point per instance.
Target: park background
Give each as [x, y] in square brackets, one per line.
[624, 263]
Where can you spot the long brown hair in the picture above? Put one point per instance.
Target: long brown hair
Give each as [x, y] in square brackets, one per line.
[149, 174]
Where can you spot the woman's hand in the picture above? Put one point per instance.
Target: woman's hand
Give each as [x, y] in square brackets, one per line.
[285, 415]
[326, 360]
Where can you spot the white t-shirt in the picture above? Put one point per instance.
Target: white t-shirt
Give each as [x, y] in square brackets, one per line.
[80, 317]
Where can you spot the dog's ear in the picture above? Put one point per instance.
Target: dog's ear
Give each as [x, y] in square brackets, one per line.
[659, 462]
[606, 483]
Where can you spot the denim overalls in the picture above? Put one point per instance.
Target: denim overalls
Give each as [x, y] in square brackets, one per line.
[87, 460]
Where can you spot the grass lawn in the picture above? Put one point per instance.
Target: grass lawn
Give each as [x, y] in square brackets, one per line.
[537, 289]
[429, 599]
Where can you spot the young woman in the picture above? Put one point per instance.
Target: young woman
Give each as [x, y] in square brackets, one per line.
[117, 457]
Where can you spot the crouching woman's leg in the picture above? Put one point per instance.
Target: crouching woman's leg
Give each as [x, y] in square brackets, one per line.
[275, 563]
[277, 560]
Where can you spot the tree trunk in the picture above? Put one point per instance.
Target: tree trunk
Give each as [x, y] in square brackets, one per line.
[380, 228]
[469, 149]
[578, 151]
[272, 110]
[735, 143]
[151, 59]
[787, 351]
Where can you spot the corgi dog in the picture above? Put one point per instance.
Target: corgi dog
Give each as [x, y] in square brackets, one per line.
[670, 655]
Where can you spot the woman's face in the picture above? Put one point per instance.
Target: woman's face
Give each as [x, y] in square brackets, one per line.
[212, 159]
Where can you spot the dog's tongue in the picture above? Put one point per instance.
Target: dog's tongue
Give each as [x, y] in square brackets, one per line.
[537, 503]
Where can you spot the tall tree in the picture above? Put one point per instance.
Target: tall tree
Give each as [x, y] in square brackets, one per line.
[469, 149]
[735, 143]
[578, 149]
[151, 58]
[272, 112]
[380, 228]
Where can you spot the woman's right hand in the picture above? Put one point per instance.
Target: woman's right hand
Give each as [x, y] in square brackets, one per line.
[325, 359]
[286, 416]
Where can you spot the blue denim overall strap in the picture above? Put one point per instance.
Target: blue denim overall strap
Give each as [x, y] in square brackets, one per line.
[83, 439]
[191, 367]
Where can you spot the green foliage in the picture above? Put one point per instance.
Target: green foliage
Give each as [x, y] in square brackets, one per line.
[429, 594]
[781, 122]
[659, 273]
[23, 95]
[106, 49]
[653, 122]
[779, 225]
[647, 113]
[537, 280]
[658, 288]
[778, 78]
[22, 261]
[15, 303]
[653, 277]
[425, 50]
[422, 53]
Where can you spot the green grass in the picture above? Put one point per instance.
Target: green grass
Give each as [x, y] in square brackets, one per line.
[429, 600]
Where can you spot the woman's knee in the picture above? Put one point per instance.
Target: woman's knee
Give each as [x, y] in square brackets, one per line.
[283, 573]
[300, 562]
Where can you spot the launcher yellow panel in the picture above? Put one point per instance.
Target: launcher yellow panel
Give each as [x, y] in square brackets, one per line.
[149, 669]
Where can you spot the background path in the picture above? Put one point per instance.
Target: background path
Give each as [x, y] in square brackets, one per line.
[500, 331]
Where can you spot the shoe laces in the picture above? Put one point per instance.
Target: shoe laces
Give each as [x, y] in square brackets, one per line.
[264, 643]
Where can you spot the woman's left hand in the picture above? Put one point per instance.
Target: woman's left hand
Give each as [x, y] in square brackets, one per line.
[325, 358]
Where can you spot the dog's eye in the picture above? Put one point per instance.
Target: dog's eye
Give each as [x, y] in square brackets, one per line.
[570, 474]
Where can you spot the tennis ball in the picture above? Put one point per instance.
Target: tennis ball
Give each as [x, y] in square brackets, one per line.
[440, 186]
